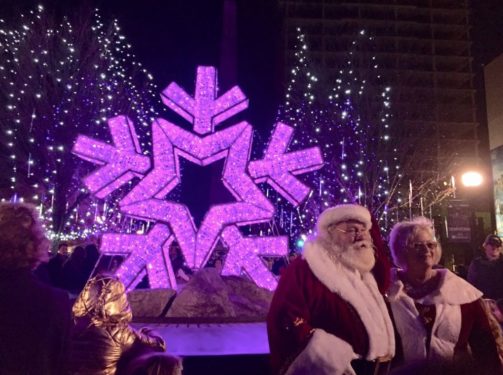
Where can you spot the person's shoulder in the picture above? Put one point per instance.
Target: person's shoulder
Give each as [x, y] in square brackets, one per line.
[299, 261]
[295, 268]
[49, 289]
[477, 261]
[454, 290]
[483, 262]
[298, 264]
[55, 297]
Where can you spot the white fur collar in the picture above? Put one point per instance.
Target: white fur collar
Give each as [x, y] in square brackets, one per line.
[453, 290]
[360, 290]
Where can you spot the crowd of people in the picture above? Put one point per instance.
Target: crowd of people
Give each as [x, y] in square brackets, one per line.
[43, 331]
[70, 270]
[342, 307]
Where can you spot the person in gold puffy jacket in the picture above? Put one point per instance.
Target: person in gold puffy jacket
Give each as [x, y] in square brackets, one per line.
[102, 332]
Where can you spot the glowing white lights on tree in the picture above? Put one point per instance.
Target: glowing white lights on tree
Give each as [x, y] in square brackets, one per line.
[346, 110]
[61, 76]
[147, 200]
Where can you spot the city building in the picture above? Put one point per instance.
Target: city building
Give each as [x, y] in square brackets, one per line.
[423, 49]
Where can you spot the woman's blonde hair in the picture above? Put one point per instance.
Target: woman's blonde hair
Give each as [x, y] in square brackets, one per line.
[402, 235]
[23, 243]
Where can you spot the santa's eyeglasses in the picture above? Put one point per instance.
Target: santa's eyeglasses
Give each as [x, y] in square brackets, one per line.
[354, 232]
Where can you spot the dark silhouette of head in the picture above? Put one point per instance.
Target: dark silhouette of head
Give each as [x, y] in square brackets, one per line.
[23, 243]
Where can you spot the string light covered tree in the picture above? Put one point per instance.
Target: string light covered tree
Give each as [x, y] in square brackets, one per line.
[59, 78]
[350, 120]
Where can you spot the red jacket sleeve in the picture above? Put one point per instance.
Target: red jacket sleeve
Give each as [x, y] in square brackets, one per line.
[476, 330]
[382, 268]
[288, 322]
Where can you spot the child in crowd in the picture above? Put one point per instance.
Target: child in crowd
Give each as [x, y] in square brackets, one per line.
[102, 332]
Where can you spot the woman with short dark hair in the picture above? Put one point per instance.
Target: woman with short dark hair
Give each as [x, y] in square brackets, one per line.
[35, 319]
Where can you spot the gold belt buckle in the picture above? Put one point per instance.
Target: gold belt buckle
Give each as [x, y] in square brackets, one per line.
[385, 358]
[385, 361]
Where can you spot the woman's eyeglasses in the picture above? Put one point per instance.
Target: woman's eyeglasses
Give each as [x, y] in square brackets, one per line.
[418, 246]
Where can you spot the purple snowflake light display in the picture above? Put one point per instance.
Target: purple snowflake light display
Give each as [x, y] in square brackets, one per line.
[120, 163]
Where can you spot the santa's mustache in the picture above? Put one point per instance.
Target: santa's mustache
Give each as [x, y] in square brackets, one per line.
[362, 244]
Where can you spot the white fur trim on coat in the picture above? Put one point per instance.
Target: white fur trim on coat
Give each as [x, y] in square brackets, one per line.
[341, 213]
[453, 292]
[360, 291]
[324, 354]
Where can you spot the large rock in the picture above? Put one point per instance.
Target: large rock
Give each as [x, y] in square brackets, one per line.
[248, 299]
[149, 303]
[209, 295]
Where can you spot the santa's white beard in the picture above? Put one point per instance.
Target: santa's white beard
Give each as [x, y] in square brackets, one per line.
[359, 255]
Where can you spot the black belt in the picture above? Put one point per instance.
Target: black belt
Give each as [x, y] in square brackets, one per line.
[376, 367]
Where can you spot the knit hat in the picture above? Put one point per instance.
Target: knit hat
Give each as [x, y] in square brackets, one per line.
[341, 213]
[493, 240]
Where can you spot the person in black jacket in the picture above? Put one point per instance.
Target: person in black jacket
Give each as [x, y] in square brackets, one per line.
[35, 318]
[55, 265]
[486, 272]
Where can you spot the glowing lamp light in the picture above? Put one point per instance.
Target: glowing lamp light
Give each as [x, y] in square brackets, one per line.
[471, 179]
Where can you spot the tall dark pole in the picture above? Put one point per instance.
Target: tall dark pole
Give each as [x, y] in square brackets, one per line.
[228, 46]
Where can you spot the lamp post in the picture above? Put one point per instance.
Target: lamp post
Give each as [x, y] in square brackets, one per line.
[463, 228]
[460, 206]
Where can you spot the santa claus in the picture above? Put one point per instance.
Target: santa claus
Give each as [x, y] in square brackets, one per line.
[327, 315]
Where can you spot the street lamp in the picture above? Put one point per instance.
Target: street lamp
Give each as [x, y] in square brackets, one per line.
[463, 228]
[460, 209]
[471, 179]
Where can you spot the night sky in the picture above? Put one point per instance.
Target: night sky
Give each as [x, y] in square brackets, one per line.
[487, 37]
[487, 32]
[171, 38]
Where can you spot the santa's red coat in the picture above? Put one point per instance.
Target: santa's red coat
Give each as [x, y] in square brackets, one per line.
[300, 303]
[303, 303]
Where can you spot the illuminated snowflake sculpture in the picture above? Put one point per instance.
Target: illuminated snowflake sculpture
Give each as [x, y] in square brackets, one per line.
[148, 254]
